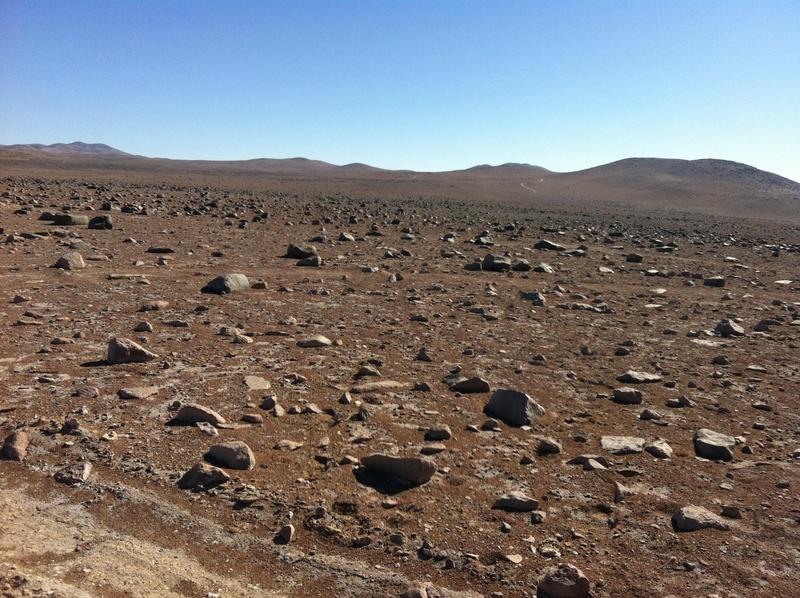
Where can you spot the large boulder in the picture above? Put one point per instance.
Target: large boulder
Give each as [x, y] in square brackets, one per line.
[716, 446]
[413, 470]
[513, 407]
[227, 283]
[233, 454]
[123, 350]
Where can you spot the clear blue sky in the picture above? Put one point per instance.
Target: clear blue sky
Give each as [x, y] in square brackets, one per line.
[407, 84]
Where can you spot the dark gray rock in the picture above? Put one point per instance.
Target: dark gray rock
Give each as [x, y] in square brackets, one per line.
[227, 283]
[515, 408]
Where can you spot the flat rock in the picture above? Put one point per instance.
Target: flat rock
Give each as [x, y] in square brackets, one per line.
[634, 377]
[137, 393]
[693, 518]
[314, 341]
[414, 470]
[256, 383]
[516, 501]
[622, 445]
[70, 219]
[379, 386]
[546, 245]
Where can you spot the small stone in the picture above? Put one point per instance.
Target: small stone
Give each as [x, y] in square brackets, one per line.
[471, 385]
[622, 445]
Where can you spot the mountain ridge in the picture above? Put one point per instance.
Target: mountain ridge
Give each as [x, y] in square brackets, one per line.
[713, 186]
[664, 166]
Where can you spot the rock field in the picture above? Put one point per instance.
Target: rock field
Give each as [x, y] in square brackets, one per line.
[209, 391]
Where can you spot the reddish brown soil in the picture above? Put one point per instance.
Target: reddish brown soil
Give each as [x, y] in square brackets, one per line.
[220, 541]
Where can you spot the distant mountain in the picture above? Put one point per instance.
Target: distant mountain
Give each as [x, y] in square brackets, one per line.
[662, 171]
[708, 185]
[76, 147]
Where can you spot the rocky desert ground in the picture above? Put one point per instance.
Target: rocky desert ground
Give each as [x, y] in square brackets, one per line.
[210, 388]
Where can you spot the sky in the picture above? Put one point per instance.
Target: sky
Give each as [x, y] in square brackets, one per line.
[408, 84]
